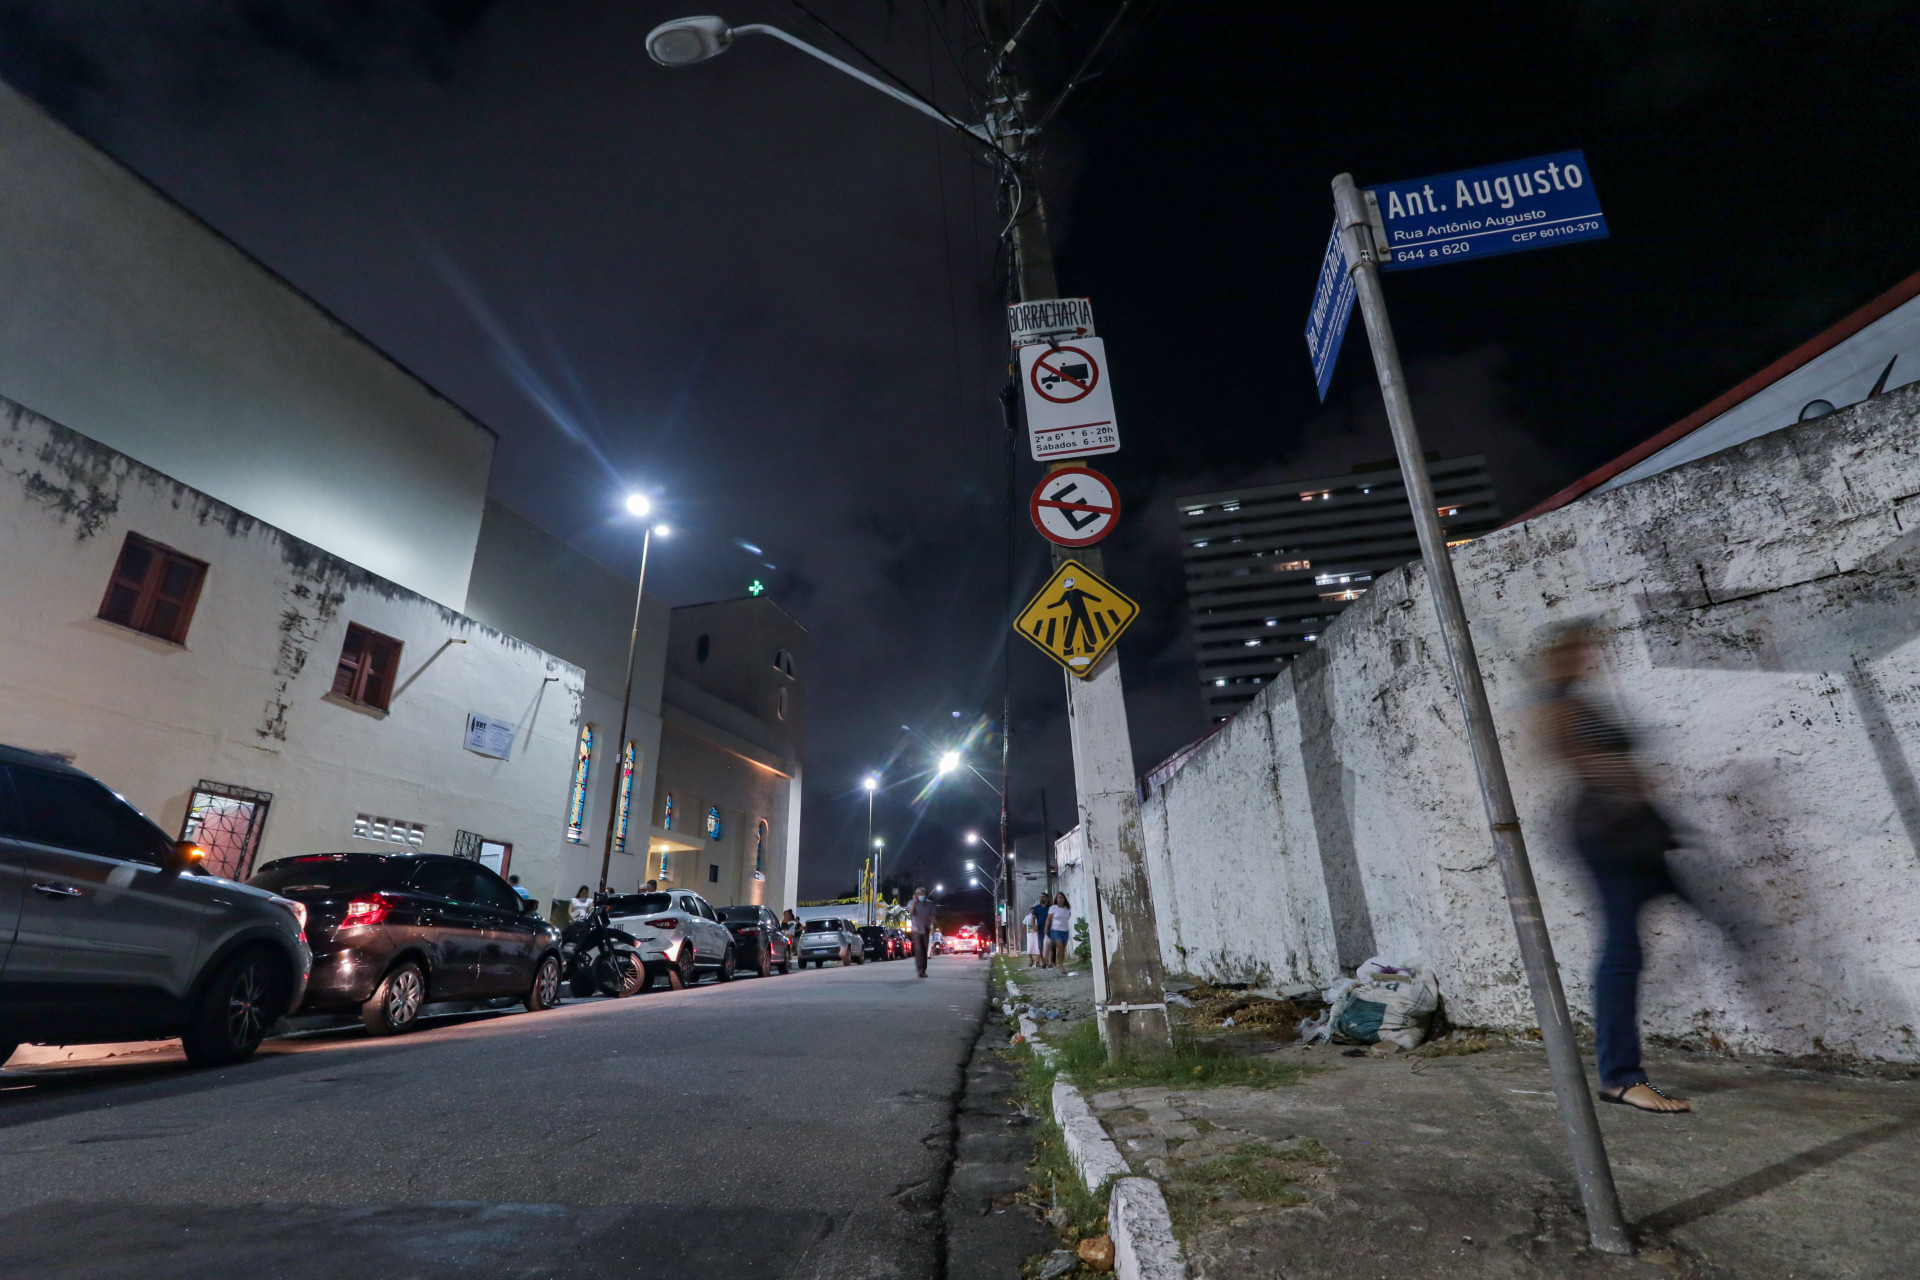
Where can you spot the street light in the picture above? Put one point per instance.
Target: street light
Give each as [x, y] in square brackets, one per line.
[949, 761]
[685, 41]
[872, 784]
[637, 504]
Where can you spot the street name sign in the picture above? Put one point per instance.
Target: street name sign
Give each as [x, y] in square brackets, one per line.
[1049, 319]
[1074, 506]
[1077, 618]
[1069, 400]
[1327, 321]
[1480, 213]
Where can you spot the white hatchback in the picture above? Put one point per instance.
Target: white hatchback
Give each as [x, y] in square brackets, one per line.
[679, 936]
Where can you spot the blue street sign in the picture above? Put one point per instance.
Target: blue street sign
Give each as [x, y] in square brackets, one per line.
[1332, 304]
[1501, 208]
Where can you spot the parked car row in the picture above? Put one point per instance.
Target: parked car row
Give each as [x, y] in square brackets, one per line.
[109, 930]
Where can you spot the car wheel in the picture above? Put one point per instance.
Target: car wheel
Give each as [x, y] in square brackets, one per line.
[682, 974]
[726, 966]
[245, 997]
[544, 991]
[394, 1008]
[765, 967]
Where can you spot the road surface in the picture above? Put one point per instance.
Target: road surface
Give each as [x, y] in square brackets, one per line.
[797, 1126]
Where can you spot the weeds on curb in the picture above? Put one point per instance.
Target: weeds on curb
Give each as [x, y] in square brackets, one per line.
[1194, 1064]
[1256, 1175]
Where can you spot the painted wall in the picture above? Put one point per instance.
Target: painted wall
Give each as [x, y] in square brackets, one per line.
[246, 700]
[125, 318]
[1759, 608]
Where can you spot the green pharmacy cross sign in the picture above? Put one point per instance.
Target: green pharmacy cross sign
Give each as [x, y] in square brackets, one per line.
[755, 587]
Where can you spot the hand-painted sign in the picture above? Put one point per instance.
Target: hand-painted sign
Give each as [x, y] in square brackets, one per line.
[1500, 208]
[1050, 319]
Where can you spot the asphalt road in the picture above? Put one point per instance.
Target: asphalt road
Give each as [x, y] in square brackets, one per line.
[796, 1126]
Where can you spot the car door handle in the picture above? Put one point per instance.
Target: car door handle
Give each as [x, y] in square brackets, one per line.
[57, 890]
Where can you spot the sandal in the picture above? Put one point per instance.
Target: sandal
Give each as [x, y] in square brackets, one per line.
[1619, 1098]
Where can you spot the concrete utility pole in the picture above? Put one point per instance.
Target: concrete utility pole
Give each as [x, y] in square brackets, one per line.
[1605, 1226]
[1128, 983]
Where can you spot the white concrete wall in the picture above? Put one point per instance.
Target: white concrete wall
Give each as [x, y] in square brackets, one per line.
[127, 319]
[246, 700]
[1760, 612]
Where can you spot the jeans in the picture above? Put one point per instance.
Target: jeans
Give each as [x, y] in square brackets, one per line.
[1624, 845]
[921, 945]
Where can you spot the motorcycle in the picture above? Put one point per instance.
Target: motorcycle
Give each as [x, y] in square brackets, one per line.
[600, 959]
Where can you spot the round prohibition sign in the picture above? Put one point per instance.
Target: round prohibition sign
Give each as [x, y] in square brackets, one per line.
[1064, 375]
[1074, 506]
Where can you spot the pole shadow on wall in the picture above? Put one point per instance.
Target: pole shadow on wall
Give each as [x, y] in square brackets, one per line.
[1329, 795]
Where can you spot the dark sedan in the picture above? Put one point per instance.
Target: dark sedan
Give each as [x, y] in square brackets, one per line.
[760, 945]
[879, 945]
[392, 933]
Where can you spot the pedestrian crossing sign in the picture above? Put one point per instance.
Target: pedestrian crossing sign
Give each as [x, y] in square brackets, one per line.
[1076, 618]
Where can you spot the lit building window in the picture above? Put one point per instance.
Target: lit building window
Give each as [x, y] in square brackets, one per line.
[1449, 511]
[1322, 494]
[1293, 564]
[1251, 644]
[577, 802]
[1219, 683]
[625, 807]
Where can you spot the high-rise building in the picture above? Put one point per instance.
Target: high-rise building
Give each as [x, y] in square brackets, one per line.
[1269, 567]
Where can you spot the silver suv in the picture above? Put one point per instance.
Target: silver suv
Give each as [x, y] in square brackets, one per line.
[110, 931]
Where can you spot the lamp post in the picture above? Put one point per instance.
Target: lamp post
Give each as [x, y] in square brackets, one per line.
[1001, 928]
[872, 785]
[637, 505]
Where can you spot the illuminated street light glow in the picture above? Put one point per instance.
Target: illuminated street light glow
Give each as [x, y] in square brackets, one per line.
[949, 761]
[872, 783]
[638, 504]
[973, 837]
[661, 531]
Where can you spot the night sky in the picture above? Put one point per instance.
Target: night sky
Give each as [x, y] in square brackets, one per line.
[772, 297]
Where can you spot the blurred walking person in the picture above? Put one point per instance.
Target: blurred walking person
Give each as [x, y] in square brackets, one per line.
[1623, 839]
[1037, 923]
[920, 918]
[1032, 938]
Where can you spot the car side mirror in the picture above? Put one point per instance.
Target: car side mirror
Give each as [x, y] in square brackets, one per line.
[183, 857]
[529, 907]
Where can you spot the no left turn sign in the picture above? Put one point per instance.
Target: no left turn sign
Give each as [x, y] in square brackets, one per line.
[1075, 506]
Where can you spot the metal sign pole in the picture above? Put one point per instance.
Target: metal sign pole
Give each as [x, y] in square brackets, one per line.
[1605, 1227]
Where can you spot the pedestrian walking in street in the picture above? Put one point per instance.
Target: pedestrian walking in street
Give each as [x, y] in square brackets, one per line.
[1059, 929]
[580, 906]
[1623, 839]
[920, 918]
[1037, 923]
[1032, 937]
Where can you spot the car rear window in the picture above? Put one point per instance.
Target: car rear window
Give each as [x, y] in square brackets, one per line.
[823, 926]
[639, 904]
[327, 875]
[740, 915]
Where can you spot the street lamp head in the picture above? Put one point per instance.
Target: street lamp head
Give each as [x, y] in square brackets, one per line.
[638, 504]
[879, 844]
[973, 837]
[974, 881]
[872, 783]
[949, 761]
[661, 531]
[939, 888]
[969, 866]
[685, 41]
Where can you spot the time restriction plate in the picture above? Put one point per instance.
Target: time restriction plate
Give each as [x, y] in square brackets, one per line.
[1077, 618]
[1074, 506]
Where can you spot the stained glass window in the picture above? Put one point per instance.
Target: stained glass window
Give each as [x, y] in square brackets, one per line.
[577, 802]
[760, 850]
[666, 820]
[713, 823]
[626, 799]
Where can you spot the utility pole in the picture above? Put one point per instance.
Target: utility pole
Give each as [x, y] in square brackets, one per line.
[1605, 1226]
[1129, 990]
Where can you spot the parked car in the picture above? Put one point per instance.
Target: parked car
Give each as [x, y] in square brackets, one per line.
[874, 942]
[109, 931]
[831, 939]
[760, 945]
[967, 941]
[901, 944]
[679, 935]
[393, 933]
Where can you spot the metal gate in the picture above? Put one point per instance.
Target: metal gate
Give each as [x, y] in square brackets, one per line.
[226, 821]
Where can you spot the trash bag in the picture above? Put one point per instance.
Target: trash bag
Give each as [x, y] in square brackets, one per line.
[1382, 1001]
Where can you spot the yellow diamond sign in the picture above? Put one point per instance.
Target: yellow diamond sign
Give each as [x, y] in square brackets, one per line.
[1076, 618]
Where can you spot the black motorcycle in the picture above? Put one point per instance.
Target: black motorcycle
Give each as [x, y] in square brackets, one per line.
[601, 959]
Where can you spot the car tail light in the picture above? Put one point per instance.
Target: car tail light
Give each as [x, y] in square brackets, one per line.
[665, 922]
[369, 910]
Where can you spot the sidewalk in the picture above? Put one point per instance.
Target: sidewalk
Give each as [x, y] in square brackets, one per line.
[1439, 1164]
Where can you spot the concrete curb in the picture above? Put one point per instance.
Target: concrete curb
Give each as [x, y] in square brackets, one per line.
[1144, 1247]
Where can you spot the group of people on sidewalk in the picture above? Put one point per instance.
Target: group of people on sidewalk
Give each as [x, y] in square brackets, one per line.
[1049, 928]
